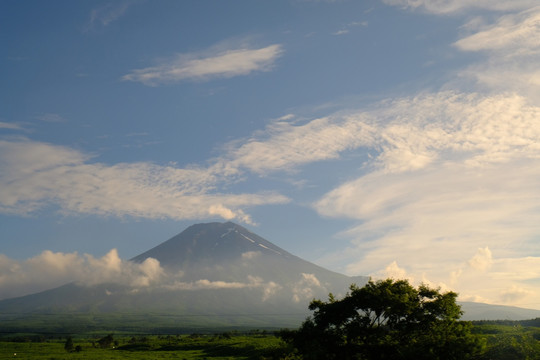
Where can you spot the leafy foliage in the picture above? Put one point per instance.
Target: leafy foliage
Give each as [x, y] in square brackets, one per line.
[386, 320]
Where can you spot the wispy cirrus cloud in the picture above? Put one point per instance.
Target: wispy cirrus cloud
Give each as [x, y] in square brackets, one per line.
[515, 34]
[454, 172]
[284, 145]
[10, 126]
[214, 63]
[50, 117]
[511, 47]
[35, 175]
[456, 6]
[108, 13]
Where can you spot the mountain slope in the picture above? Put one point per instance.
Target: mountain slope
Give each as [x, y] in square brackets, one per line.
[219, 272]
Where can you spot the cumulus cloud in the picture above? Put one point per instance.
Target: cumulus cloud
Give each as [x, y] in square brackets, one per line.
[34, 175]
[51, 269]
[214, 63]
[482, 260]
[306, 288]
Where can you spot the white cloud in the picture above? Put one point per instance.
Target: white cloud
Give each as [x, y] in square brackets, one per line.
[216, 63]
[512, 47]
[393, 271]
[250, 255]
[10, 126]
[50, 117]
[269, 288]
[515, 34]
[455, 6]
[108, 13]
[51, 269]
[34, 175]
[482, 260]
[454, 173]
[285, 145]
[306, 288]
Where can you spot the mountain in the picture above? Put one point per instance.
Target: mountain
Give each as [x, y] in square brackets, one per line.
[214, 275]
[211, 275]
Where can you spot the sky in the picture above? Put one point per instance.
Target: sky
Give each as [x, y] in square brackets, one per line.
[387, 138]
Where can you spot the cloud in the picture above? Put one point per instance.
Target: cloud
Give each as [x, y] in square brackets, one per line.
[449, 173]
[442, 154]
[482, 260]
[269, 288]
[51, 269]
[250, 255]
[108, 13]
[515, 33]
[215, 63]
[457, 6]
[49, 117]
[306, 288]
[35, 175]
[284, 146]
[512, 47]
[10, 126]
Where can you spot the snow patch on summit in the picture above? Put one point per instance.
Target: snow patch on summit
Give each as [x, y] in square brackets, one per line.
[266, 247]
[253, 241]
[229, 230]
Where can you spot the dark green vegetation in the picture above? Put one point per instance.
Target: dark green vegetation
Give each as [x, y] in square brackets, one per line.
[257, 345]
[383, 320]
[386, 320]
[501, 341]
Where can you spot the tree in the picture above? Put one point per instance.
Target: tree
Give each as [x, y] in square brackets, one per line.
[106, 341]
[68, 345]
[388, 319]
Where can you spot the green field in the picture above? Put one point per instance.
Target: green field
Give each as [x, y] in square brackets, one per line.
[503, 341]
[215, 347]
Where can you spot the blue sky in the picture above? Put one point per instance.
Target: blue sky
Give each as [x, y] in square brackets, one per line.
[384, 138]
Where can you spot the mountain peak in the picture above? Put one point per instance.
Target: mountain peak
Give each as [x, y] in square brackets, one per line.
[210, 243]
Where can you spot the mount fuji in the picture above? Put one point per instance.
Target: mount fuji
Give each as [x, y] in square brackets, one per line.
[213, 275]
[209, 275]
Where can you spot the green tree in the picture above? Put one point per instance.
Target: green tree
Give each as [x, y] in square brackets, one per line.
[68, 345]
[387, 319]
[106, 341]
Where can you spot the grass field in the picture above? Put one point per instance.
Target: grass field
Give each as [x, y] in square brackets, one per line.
[215, 347]
[503, 341]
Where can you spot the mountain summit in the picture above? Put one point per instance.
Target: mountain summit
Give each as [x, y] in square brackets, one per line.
[229, 252]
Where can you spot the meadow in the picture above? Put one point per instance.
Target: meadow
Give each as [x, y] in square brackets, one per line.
[502, 341]
[216, 347]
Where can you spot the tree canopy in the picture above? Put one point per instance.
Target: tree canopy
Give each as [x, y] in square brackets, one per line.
[387, 319]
